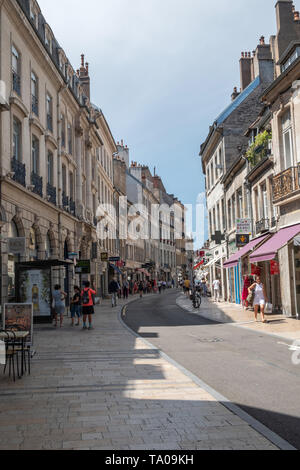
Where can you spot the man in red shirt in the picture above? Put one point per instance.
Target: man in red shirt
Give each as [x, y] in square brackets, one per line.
[87, 302]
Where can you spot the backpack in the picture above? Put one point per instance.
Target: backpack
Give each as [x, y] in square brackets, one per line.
[86, 297]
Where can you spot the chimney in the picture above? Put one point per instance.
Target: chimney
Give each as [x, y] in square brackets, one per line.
[246, 69]
[84, 77]
[288, 28]
[263, 65]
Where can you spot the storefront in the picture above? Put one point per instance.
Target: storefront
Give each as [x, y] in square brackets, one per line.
[278, 259]
[238, 266]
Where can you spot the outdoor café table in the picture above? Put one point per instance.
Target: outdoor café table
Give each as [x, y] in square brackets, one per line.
[22, 335]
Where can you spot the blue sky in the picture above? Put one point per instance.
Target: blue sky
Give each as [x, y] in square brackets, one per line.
[162, 70]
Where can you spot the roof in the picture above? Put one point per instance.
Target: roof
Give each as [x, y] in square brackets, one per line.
[239, 100]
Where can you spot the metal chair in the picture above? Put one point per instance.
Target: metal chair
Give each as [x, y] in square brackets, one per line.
[11, 353]
[23, 350]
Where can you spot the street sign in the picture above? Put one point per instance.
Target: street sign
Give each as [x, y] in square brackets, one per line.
[16, 246]
[242, 240]
[243, 226]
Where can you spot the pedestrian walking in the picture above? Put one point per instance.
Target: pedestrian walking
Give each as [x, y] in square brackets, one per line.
[216, 289]
[76, 306]
[260, 298]
[59, 306]
[125, 289]
[141, 288]
[113, 289]
[88, 302]
[187, 286]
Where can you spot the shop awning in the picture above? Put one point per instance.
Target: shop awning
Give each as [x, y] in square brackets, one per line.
[269, 249]
[213, 261]
[234, 259]
[117, 270]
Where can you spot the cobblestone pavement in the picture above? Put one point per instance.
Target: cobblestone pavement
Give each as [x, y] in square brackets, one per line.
[225, 312]
[106, 389]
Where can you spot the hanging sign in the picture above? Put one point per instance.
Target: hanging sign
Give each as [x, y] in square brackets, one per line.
[243, 226]
[242, 240]
[16, 246]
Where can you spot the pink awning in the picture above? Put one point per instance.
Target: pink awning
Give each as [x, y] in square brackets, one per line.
[268, 251]
[234, 259]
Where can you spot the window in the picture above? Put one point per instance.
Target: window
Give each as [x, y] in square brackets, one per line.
[233, 211]
[49, 110]
[229, 215]
[48, 249]
[265, 202]
[71, 182]
[50, 168]
[63, 131]
[17, 140]
[287, 140]
[64, 179]
[240, 211]
[34, 94]
[35, 155]
[16, 71]
[70, 139]
[208, 179]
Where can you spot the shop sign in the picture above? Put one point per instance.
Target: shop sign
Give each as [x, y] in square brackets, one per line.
[16, 246]
[19, 317]
[104, 257]
[274, 268]
[242, 240]
[114, 259]
[83, 267]
[243, 226]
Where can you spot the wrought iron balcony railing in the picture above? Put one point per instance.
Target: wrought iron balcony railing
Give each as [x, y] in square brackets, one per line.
[262, 226]
[37, 182]
[19, 170]
[35, 105]
[16, 82]
[72, 207]
[65, 201]
[286, 183]
[51, 193]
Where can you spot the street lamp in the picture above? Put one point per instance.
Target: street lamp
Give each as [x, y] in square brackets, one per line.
[2, 224]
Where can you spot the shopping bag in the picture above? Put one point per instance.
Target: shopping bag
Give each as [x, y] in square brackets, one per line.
[268, 308]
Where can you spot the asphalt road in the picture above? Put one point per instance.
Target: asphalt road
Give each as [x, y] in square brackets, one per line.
[251, 369]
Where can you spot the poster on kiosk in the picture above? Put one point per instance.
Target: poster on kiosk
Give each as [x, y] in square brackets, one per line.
[35, 288]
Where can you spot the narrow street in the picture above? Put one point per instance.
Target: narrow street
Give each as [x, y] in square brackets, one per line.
[252, 369]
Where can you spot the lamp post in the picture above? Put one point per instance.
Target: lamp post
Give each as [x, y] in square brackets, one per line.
[2, 224]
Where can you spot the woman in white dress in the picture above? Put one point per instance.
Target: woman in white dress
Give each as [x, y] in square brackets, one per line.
[260, 298]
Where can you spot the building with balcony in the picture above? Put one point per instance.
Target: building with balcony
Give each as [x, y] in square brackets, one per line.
[56, 152]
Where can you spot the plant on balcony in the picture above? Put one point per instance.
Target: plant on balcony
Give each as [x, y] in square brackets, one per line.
[258, 149]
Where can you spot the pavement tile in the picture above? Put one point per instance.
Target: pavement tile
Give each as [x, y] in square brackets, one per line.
[108, 390]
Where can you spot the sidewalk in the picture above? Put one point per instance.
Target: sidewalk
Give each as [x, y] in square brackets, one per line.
[106, 389]
[225, 312]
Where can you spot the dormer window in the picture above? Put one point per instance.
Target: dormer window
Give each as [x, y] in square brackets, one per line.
[48, 38]
[34, 13]
[291, 59]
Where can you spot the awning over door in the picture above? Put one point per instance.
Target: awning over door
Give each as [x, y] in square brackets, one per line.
[234, 259]
[269, 249]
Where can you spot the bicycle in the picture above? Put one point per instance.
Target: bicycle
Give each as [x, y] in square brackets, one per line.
[197, 299]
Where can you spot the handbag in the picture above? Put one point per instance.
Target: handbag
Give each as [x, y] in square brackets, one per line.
[250, 298]
[269, 308]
